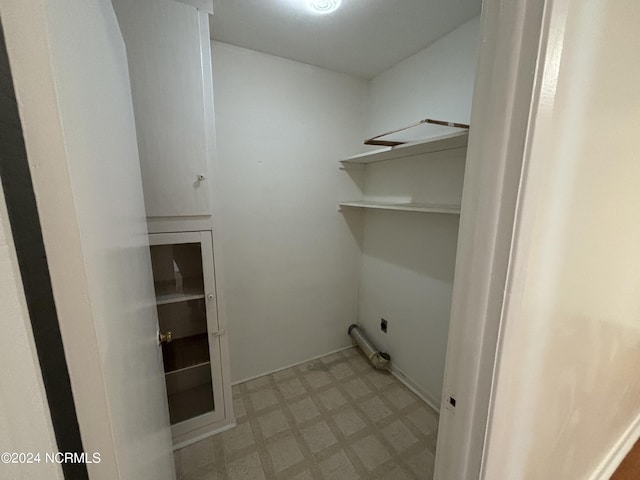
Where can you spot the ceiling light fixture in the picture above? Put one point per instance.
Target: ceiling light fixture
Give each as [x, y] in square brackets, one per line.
[323, 6]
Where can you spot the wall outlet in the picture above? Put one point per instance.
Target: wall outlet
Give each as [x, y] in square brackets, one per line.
[383, 325]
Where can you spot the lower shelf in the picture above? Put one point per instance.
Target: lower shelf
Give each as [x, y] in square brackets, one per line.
[185, 352]
[406, 207]
[191, 403]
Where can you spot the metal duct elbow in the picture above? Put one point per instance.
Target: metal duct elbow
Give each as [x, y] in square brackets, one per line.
[377, 358]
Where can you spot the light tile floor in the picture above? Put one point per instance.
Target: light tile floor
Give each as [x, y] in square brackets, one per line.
[335, 418]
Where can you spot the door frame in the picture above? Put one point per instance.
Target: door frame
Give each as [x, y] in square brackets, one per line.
[504, 89]
[509, 63]
[37, 36]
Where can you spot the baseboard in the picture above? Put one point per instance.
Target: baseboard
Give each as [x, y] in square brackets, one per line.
[616, 455]
[292, 365]
[413, 386]
[396, 372]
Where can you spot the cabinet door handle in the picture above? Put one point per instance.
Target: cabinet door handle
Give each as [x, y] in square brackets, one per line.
[165, 337]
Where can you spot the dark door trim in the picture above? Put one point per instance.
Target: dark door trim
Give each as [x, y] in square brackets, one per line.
[34, 270]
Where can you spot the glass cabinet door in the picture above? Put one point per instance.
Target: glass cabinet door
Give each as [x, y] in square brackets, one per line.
[187, 322]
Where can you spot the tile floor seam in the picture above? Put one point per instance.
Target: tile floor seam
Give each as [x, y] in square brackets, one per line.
[291, 421]
[344, 440]
[321, 420]
[376, 431]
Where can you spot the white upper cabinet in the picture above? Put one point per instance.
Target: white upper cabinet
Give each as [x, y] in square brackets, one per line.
[169, 57]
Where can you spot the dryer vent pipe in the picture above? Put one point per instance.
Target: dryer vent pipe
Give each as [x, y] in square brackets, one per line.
[377, 358]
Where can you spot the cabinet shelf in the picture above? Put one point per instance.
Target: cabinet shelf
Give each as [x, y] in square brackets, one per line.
[191, 403]
[434, 144]
[185, 369]
[406, 207]
[185, 352]
[177, 297]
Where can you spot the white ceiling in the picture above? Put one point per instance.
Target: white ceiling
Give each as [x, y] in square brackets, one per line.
[362, 38]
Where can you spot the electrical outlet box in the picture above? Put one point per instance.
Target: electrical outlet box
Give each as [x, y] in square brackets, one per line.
[383, 325]
[450, 403]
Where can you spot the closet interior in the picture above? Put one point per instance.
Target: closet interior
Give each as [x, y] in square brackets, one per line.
[272, 226]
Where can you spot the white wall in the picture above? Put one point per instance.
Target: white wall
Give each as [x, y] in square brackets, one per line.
[25, 421]
[436, 82]
[408, 258]
[289, 263]
[289, 259]
[566, 398]
[71, 79]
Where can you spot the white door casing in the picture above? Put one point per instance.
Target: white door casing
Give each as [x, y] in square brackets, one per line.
[543, 324]
[70, 73]
[503, 90]
[565, 394]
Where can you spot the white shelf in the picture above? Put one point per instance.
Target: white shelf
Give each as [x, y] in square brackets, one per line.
[431, 145]
[177, 297]
[406, 207]
[185, 369]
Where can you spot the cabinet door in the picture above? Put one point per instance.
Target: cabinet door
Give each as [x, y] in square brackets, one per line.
[185, 296]
[169, 67]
